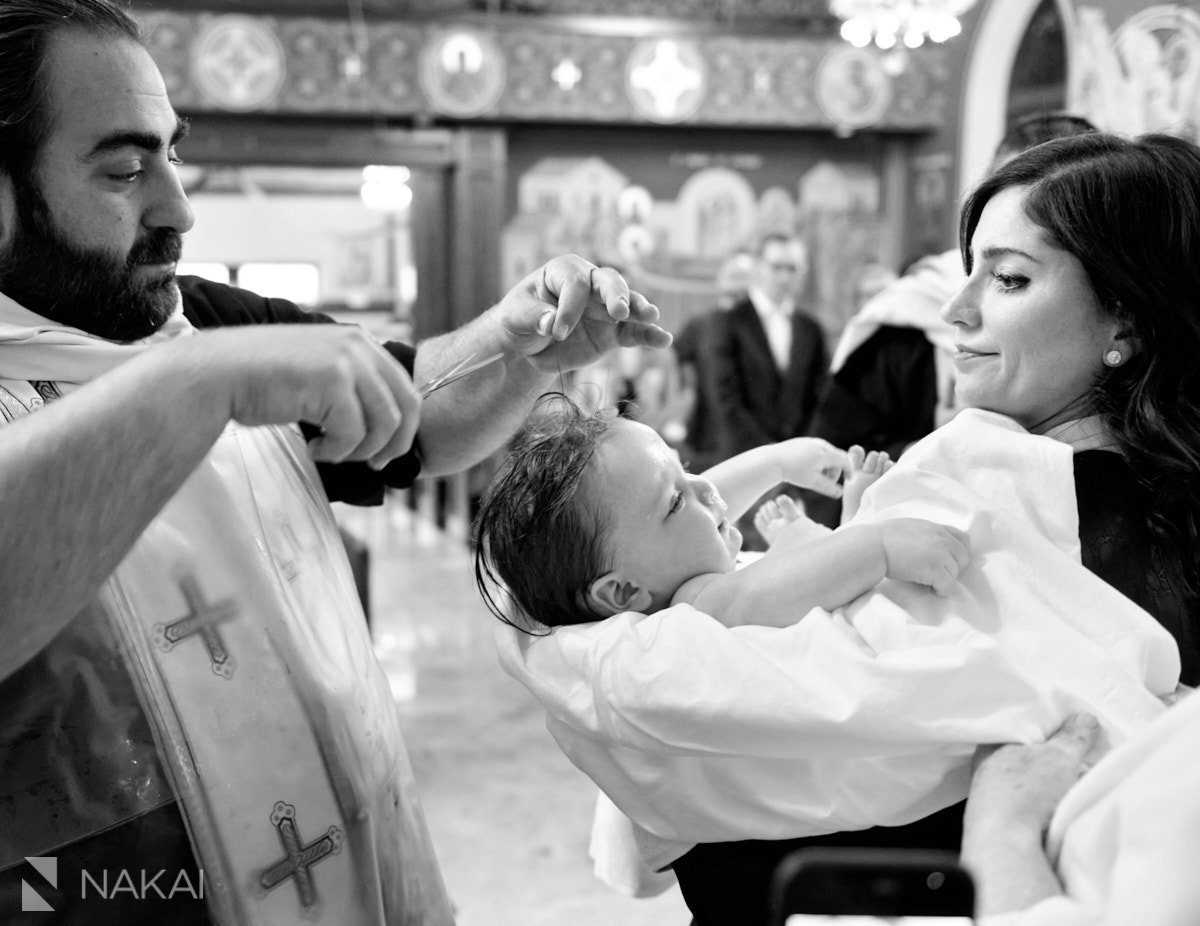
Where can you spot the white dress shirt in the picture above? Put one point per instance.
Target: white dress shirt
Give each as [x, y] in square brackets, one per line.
[777, 323]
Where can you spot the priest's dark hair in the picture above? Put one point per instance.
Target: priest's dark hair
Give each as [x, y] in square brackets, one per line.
[26, 28]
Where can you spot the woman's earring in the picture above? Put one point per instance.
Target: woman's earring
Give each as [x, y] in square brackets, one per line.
[1113, 358]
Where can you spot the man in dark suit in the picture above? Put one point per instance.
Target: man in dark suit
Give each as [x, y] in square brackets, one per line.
[693, 347]
[769, 358]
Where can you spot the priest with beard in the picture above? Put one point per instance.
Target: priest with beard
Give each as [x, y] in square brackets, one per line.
[190, 694]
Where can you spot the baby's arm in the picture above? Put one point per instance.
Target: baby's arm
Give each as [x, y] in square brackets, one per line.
[808, 462]
[790, 580]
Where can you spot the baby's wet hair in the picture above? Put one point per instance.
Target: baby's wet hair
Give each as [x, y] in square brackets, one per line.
[537, 537]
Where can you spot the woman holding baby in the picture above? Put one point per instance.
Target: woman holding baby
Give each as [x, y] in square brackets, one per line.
[1080, 320]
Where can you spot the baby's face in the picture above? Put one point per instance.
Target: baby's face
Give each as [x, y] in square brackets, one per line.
[667, 526]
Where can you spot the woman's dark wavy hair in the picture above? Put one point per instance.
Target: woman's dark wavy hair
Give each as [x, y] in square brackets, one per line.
[26, 27]
[1129, 210]
[536, 535]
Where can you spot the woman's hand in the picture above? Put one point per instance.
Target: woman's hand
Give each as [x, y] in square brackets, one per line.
[811, 463]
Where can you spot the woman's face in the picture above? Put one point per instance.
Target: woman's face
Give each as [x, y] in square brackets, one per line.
[1031, 336]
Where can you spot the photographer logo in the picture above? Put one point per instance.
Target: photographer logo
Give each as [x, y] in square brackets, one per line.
[31, 900]
[106, 885]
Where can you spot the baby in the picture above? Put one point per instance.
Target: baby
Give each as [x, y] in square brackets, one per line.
[835, 718]
[593, 515]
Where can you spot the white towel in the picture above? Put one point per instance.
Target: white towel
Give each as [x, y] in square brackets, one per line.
[867, 715]
[34, 348]
[913, 301]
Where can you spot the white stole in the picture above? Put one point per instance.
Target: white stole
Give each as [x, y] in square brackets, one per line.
[254, 664]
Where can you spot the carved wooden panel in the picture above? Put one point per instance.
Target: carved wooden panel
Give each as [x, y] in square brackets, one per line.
[514, 70]
[810, 13]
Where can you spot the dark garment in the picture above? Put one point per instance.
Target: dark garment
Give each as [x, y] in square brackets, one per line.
[756, 402]
[1116, 545]
[694, 350]
[883, 397]
[727, 884]
[213, 305]
[52, 698]
[113, 860]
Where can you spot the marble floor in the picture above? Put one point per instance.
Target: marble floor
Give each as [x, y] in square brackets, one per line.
[509, 815]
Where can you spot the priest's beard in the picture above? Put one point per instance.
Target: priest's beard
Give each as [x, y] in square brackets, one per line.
[85, 288]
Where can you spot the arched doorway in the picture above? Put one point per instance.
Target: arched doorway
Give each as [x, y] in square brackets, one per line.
[1039, 73]
[1001, 71]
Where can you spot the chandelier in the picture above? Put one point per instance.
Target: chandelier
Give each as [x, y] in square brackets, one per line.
[889, 22]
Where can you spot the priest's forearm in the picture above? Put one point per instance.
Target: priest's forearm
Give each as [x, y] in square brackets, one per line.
[80, 481]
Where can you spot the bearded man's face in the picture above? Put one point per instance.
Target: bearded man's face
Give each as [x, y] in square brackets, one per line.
[92, 235]
[107, 295]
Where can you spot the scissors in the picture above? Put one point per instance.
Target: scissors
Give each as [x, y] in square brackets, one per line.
[456, 371]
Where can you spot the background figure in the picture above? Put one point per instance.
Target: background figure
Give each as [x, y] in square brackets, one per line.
[694, 348]
[769, 360]
[891, 379]
[873, 278]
